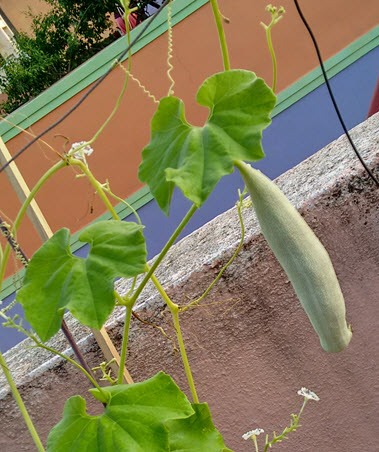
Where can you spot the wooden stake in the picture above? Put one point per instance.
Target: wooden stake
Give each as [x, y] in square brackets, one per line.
[110, 352]
[22, 191]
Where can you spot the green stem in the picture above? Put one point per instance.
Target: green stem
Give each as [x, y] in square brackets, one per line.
[11, 323]
[273, 57]
[124, 347]
[96, 185]
[101, 192]
[22, 211]
[230, 261]
[171, 305]
[174, 309]
[24, 412]
[129, 206]
[113, 112]
[183, 353]
[163, 253]
[302, 407]
[255, 443]
[221, 34]
[150, 274]
[121, 95]
[150, 270]
[276, 16]
[71, 361]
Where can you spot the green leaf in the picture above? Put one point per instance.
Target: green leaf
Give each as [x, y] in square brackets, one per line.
[133, 420]
[195, 433]
[56, 280]
[196, 158]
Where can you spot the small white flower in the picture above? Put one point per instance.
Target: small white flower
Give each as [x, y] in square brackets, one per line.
[255, 432]
[304, 392]
[86, 150]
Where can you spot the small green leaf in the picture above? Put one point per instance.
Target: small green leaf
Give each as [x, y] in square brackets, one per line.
[133, 420]
[56, 280]
[195, 433]
[196, 158]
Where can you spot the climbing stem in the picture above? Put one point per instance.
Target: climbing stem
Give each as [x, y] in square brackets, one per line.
[221, 34]
[108, 190]
[171, 305]
[158, 260]
[183, 353]
[124, 86]
[276, 16]
[273, 58]
[113, 112]
[96, 185]
[230, 261]
[71, 361]
[22, 211]
[124, 347]
[174, 309]
[24, 412]
[10, 322]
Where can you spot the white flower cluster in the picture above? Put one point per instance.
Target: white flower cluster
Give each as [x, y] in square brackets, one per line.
[81, 153]
[255, 432]
[304, 392]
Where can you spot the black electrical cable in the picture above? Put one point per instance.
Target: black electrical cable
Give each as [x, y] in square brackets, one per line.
[90, 91]
[327, 83]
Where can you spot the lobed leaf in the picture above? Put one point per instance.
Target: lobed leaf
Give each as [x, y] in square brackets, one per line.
[196, 158]
[56, 280]
[133, 420]
[196, 433]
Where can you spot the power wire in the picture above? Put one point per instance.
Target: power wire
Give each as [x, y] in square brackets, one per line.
[327, 83]
[89, 92]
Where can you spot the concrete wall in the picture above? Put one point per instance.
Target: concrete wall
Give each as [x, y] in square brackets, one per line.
[250, 344]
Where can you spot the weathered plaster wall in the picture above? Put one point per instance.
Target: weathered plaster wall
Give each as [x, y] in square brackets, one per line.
[250, 344]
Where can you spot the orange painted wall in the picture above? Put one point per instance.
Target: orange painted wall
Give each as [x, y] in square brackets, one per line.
[16, 11]
[69, 201]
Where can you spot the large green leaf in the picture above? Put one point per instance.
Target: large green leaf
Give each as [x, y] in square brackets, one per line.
[56, 280]
[196, 158]
[195, 433]
[133, 420]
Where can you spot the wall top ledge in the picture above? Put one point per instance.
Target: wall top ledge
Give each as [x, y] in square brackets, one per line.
[336, 164]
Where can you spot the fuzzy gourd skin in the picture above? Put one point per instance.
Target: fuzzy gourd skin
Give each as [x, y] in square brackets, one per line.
[303, 258]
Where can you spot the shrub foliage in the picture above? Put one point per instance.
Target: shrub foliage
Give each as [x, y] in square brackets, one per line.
[59, 41]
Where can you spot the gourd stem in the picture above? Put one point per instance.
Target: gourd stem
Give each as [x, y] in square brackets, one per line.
[221, 34]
